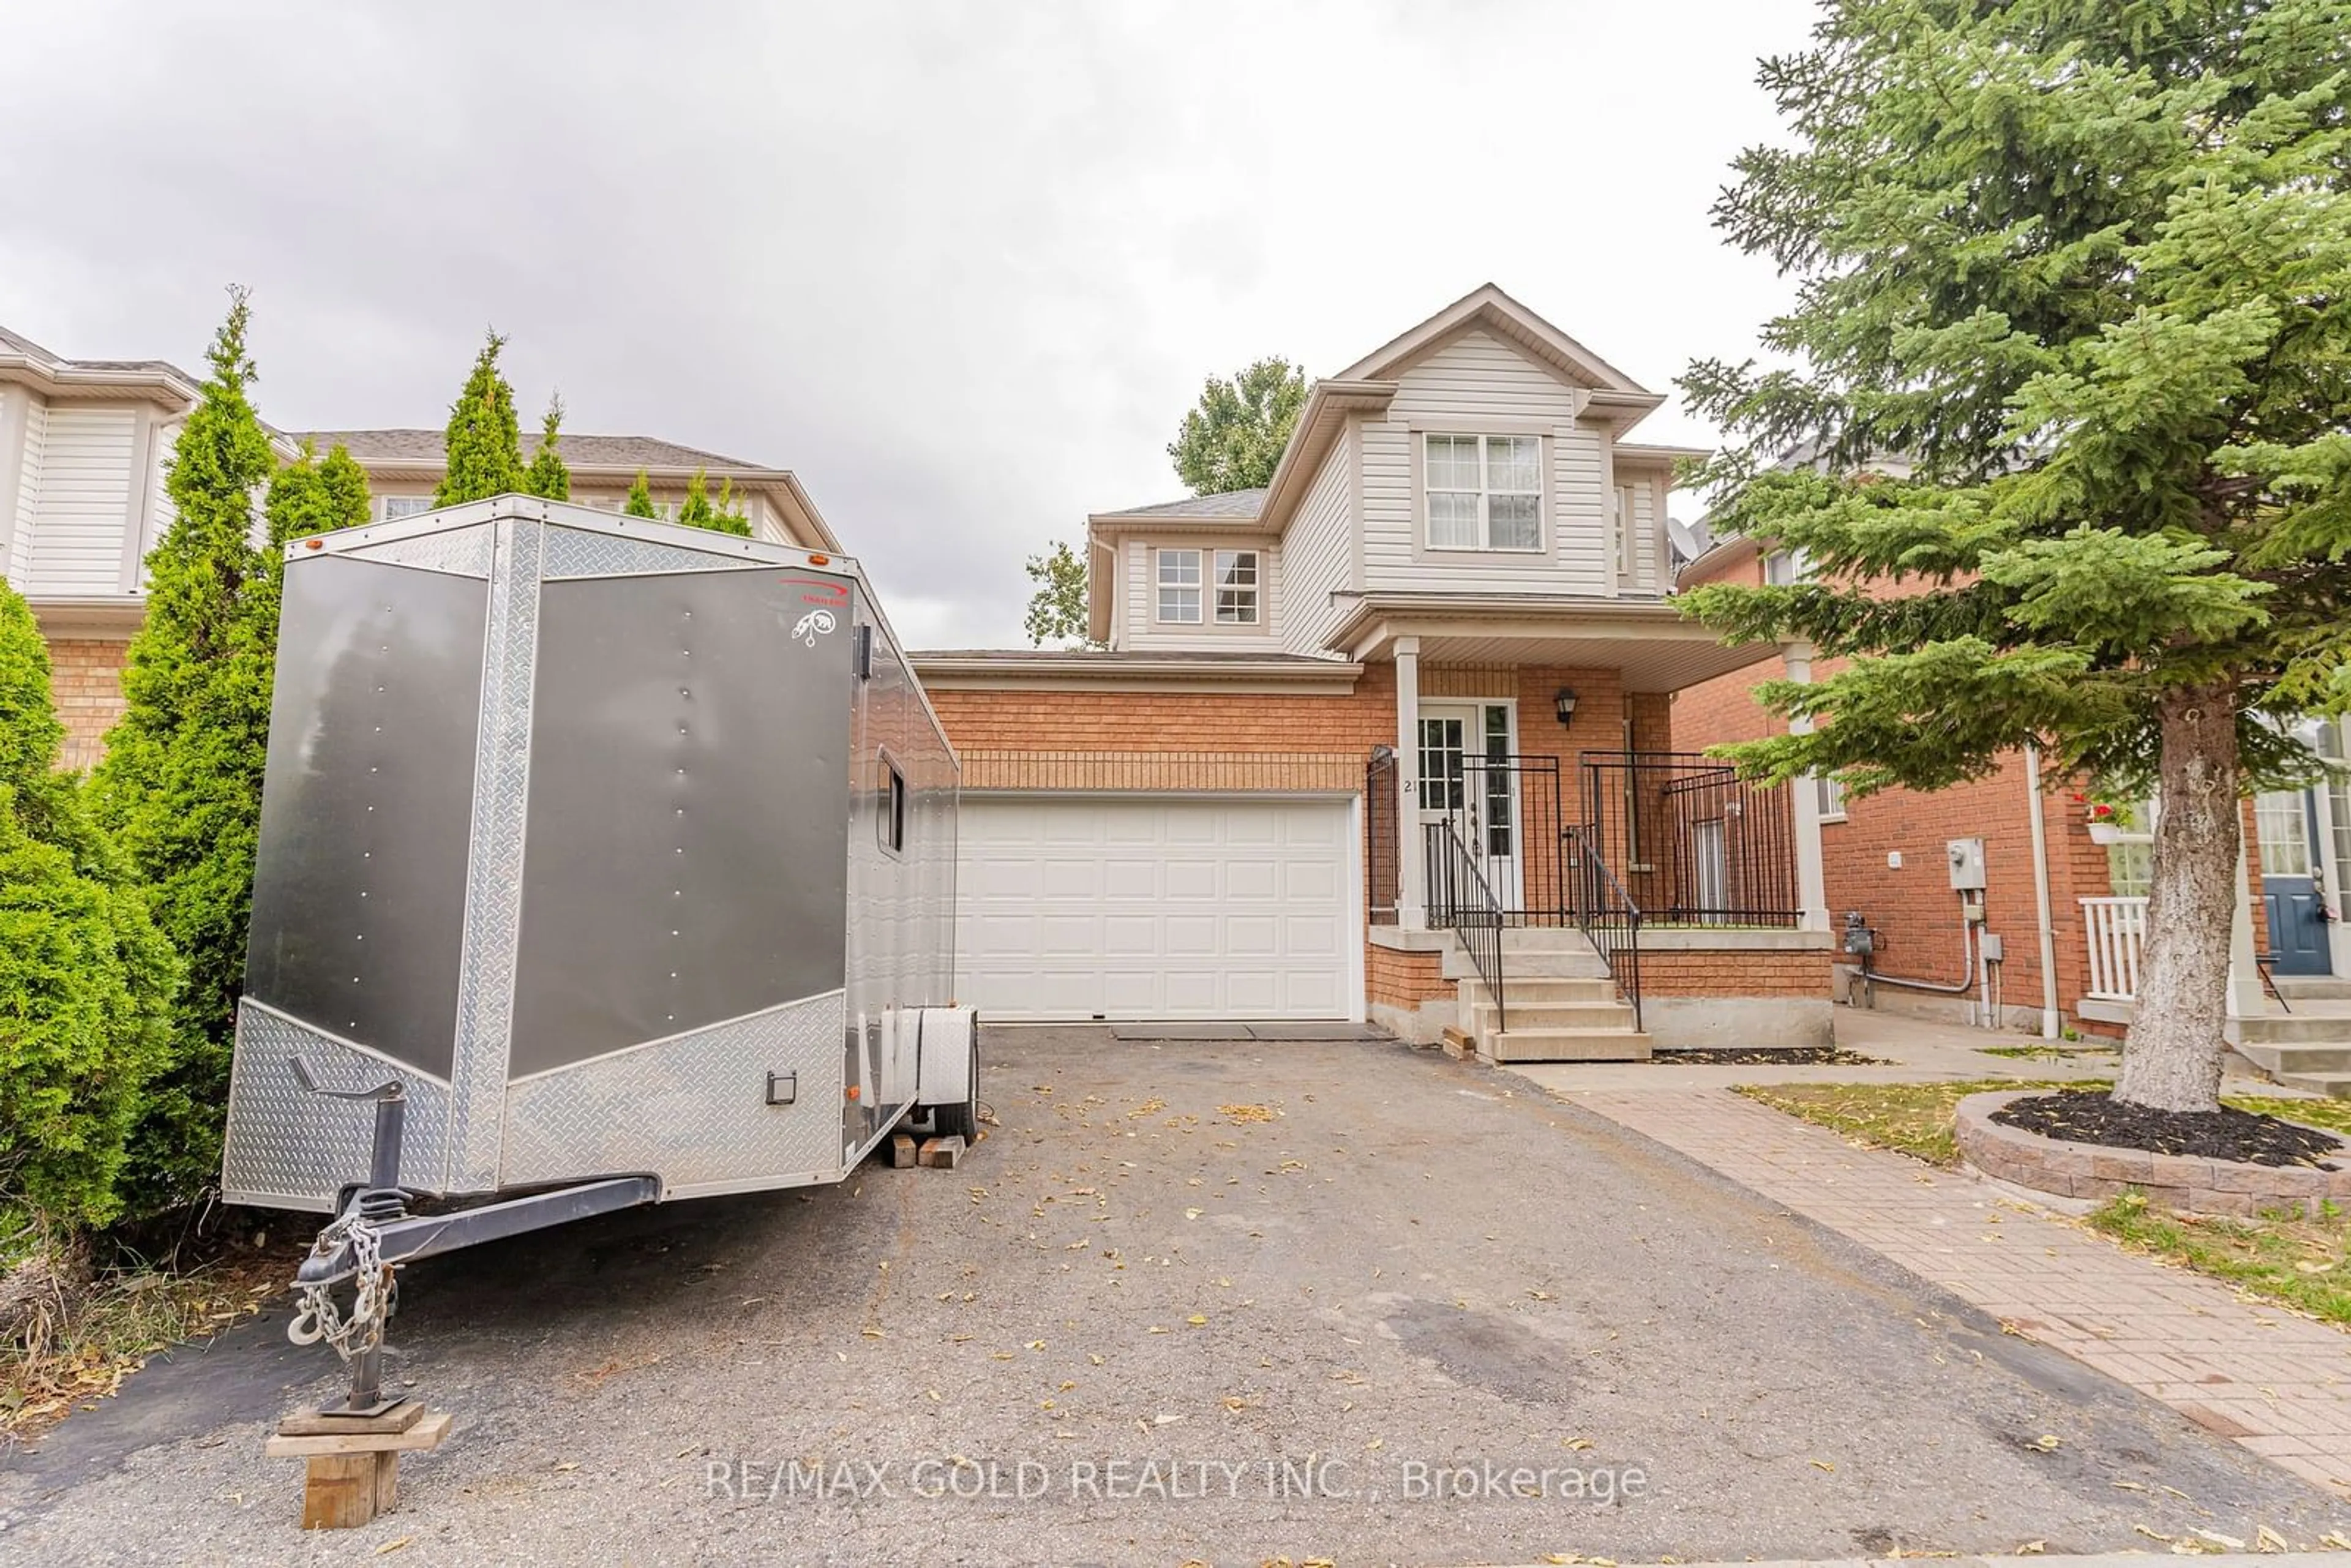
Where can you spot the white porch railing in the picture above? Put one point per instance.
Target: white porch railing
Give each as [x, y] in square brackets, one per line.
[2117, 928]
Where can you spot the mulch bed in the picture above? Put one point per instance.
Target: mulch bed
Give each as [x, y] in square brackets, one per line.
[2093, 1116]
[1792, 1056]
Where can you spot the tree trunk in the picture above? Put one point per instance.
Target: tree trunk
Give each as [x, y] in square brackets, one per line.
[2171, 1056]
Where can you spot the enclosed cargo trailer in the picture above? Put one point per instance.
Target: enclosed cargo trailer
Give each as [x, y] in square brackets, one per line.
[609, 860]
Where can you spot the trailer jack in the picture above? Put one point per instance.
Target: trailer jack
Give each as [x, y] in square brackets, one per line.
[354, 1447]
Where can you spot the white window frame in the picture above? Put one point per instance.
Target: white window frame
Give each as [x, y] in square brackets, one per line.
[1486, 492]
[410, 505]
[1829, 797]
[1163, 557]
[1229, 560]
[1787, 568]
[1625, 511]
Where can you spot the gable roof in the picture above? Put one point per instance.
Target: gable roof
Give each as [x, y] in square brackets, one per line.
[1487, 307]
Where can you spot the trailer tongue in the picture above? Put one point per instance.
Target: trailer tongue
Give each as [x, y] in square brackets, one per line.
[603, 862]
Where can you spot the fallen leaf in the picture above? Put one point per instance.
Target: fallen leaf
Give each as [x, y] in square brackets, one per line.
[1191, 1214]
[2048, 1442]
[1578, 1444]
[1197, 1320]
[1823, 1465]
[1094, 1359]
[394, 1544]
[2032, 1549]
[1247, 1112]
[567, 1464]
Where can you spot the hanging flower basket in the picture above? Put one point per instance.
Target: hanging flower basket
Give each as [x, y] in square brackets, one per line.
[2105, 832]
[2107, 821]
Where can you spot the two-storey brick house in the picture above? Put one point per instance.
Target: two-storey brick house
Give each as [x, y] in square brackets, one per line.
[1417, 687]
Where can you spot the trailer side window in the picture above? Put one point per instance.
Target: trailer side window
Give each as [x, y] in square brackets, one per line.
[893, 809]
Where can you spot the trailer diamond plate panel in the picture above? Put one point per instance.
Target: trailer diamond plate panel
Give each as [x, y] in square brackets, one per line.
[467, 552]
[288, 1147]
[574, 552]
[692, 1110]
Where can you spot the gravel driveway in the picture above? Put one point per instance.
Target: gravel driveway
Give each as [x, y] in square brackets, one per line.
[1145, 1325]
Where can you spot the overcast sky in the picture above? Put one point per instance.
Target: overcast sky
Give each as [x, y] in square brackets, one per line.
[961, 266]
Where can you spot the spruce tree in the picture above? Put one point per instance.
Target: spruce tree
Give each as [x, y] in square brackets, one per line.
[548, 476]
[180, 786]
[641, 499]
[484, 441]
[86, 980]
[2087, 267]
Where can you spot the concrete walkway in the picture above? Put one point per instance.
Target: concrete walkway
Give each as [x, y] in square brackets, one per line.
[2278, 1384]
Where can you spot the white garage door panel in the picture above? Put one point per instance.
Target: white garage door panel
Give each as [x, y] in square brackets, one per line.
[1153, 908]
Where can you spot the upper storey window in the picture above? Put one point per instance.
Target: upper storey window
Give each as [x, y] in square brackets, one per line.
[1484, 491]
[1234, 586]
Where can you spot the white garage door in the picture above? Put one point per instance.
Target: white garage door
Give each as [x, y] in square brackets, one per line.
[1156, 907]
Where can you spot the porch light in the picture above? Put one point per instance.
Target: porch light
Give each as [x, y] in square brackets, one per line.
[1565, 701]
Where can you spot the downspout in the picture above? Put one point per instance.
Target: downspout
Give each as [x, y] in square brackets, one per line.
[2041, 891]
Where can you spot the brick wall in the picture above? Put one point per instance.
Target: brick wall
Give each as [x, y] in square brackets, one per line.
[1735, 972]
[86, 677]
[1397, 980]
[1007, 723]
[1913, 908]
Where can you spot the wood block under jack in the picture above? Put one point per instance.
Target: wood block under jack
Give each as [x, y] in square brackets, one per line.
[943, 1154]
[901, 1151]
[353, 1464]
[1459, 1045]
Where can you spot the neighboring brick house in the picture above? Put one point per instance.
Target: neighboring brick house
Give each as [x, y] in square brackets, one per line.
[1421, 679]
[83, 445]
[1882, 858]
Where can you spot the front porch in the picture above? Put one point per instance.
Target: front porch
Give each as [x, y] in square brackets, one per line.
[1529, 835]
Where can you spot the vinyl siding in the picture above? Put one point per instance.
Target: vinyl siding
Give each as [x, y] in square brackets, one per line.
[1140, 574]
[1479, 377]
[28, 488]
[1319, 552]
[84, 503]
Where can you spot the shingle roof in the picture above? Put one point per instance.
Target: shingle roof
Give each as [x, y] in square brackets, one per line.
[18, 344]
[425, 449]
[1231, 504]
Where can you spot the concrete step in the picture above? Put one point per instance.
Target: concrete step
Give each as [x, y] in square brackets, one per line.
[1552, 991]
[2269, 1029]
[2291, 1056]
[1570, 1015]
[2316, 988]
[2335, 1085]
[1544, 938]
[1564, 1045]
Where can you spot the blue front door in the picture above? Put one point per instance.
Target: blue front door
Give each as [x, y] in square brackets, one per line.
[2287, 825]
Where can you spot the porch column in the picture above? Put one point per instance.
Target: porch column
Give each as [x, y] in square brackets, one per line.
[1812, 884]
[2245, 998]
[1412, 892]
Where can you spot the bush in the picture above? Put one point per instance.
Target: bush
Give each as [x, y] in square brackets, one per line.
[86, 981]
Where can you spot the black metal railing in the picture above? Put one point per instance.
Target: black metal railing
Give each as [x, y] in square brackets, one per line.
[1460, 898]
[1607, 915]
[1694, 843]
[1381, 840]
[1510, 811]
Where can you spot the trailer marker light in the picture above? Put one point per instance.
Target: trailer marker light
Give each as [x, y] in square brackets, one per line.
[312, 543]
[852, 1091]
[819, 560]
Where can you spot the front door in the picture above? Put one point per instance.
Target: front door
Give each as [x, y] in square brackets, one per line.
[2285, 823]
[1467, 780]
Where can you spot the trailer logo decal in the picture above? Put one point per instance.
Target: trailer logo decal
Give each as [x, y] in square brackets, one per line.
[812, 625]
[831, 595]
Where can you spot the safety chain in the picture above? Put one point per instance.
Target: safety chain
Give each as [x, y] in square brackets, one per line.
[376, 1291]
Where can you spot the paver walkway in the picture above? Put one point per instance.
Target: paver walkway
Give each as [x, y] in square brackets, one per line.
[2278, 1384]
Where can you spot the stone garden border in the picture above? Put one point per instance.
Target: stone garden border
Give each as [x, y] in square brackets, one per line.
[2184, 1183]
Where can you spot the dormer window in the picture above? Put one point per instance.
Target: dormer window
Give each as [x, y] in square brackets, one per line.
[1483, 492]
[1182, 596]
